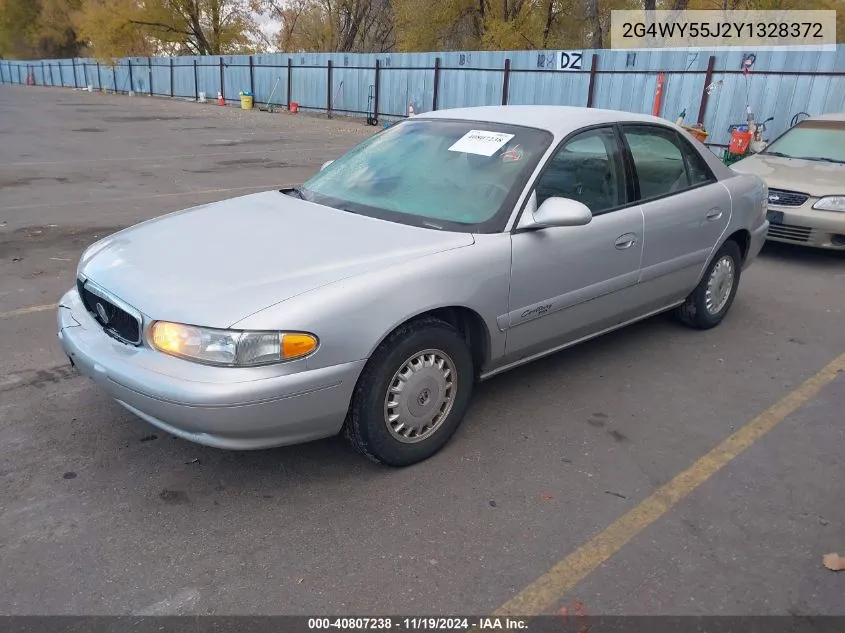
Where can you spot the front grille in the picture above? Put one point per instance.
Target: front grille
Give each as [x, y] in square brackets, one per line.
[783, 198]
[789, 232]
[115, 320]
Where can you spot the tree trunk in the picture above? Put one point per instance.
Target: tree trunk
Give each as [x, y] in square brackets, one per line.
[215, 26]
[594, 21]
[548, 26]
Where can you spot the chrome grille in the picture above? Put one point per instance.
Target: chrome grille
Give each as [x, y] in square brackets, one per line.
[783, 198]
[115, 320]
[789, 232]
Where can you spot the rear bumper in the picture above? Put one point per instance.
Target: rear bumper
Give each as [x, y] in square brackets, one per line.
[240, 409]
[808, 227]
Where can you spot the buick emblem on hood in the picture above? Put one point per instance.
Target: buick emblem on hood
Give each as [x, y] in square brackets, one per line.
[101, 312]
[774, 198]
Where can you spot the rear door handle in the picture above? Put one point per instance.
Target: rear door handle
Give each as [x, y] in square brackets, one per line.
[714, 214]
[626, 241]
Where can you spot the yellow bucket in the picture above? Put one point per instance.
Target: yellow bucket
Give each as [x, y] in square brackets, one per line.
[246, 102]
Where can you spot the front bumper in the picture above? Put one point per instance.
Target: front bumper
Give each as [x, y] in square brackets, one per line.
[807, 226]
[229, 408]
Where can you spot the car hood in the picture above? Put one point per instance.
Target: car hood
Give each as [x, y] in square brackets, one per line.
[216, 264]
[794, 174]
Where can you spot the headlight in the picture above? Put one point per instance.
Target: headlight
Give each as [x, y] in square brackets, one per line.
[230, 348]
[831, 203]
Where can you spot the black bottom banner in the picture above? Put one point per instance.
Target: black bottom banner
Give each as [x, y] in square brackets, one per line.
[476, 624]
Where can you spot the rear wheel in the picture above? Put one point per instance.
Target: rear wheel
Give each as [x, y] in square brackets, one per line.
[413, 393]
[707, 305]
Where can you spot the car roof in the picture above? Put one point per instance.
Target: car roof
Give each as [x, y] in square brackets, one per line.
[559, 120]
[833, 116]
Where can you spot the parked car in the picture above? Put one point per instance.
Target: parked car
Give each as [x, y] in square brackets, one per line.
[804, 169]
[443, 250]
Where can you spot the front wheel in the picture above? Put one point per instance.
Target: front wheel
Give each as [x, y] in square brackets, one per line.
[413, 393]
[707, 305]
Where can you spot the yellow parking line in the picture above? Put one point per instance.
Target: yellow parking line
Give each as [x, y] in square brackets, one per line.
[549, 588]
[30, 310]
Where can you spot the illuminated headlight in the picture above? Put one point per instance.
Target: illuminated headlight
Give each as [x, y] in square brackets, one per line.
[831, 203]
[229, 348]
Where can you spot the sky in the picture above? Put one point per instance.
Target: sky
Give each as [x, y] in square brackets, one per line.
[270, 27]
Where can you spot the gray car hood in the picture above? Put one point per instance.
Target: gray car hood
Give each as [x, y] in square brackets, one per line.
[215, 264]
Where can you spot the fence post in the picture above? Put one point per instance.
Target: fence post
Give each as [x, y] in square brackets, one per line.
[376, 89]
[50, 69]
[114, 77]
[150, 70]
[436, 83]
[99, 78]
[708, 78]
[329, 89]
[222, 89]
[506, 82]
[18, 66]
[61, 75]
[251, 78]
[131, 78]
[43, 74]
[73, 64]
[85, 75]
[290, 83]
[196, 81]
[594, 64]
[171, 76]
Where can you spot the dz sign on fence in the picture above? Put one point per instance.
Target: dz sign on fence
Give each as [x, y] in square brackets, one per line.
[569, 60]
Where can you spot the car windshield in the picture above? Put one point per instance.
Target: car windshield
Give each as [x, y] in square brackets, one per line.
[443, 174]
[813, 140]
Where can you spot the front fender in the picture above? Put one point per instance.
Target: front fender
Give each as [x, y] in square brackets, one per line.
[352, 317]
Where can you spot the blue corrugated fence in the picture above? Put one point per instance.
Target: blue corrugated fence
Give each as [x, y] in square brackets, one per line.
[782, 84]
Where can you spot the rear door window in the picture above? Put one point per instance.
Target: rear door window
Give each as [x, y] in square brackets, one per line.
[663, 162]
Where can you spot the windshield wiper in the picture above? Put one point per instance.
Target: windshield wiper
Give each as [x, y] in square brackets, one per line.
[823, 159]
[296, 192]
[778, 154]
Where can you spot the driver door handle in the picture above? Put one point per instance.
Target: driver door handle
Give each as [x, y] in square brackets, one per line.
[626, 241]
[714, 214]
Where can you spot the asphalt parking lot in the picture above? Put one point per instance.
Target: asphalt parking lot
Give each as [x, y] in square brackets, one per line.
[562, 486]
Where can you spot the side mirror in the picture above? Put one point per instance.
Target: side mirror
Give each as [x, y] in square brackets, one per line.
[326, 164]
[557, 212]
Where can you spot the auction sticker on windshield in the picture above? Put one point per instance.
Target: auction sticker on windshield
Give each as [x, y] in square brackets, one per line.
[481, 142]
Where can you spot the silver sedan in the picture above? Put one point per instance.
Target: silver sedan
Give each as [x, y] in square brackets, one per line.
[441, 251]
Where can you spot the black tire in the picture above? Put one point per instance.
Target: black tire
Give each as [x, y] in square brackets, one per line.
[366, 426]
[693, 312]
